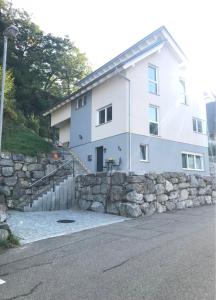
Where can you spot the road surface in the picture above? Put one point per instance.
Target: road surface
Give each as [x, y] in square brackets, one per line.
[169, 256]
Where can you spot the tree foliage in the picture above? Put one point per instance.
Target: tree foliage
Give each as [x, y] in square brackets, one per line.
[45, 68]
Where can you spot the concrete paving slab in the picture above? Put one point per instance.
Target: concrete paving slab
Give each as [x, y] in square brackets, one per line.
[35, 226]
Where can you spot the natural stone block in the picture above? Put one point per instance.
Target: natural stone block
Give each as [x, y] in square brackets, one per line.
[180, 205]
[97, 207]
[116, 193]
[162, 198]
[96, 189]
[160, 208]
[25, 168]
[18, 157]
[83, 204]
[24, 183]
[118, 178]
[188, 203]
[135, 179]
[17, 166]
[208, 199]
[113, 208]
[173, 195]
[3, 214]
[130, 210]
[35, 167]
[149, 197]
[6, 155]
[151, 209]
[183, 185]
[5, 190]
[174, 180]
[4, 235]
[168, 186]
[144, 207]
[6, 162]
[134, 197]
[104, 187]
[170, 205]
[21, 174]
[37, 174]
[183, 195]
[160, 179]
[10, 181]
[31, 159]
[7, 171]
[160, 189]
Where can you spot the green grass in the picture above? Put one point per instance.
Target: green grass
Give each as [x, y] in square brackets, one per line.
[20, 139]
[11, 242]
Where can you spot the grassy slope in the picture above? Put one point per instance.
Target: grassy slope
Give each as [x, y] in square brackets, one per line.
[19, 139]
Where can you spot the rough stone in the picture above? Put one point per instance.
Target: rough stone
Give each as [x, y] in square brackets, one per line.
[83, 204]
[96, 189]
[170, 205]
[104, 188]
[6, 155]
[3, 214]
[17, 166]
[168, 186]
[31, 159]
[180, 205]
[18, 157]
[7, 171]
[183, 194]
[97, 207]
[6, 162]
[150, 210]
[149, 197]
[136, 179]
[4, 234]
[35, 167]
[144, 207]
[208, 199]
[118, 178]
[162, 198]
[134, 197]
[160, 189]
[173, 195]
[160, 179]
[130, 210]
[113, 208]
[160, 208]
[149, 186]
[189, 203]
[5, 190]
[10, 181]
[183, 185]
[116, 193]
[37, 174]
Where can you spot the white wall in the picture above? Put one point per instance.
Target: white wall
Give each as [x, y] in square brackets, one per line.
[175, 118]
[64, 132]
[61, 114]
[113, 91]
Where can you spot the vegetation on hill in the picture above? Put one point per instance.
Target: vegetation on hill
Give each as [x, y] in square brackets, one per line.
[42, 69]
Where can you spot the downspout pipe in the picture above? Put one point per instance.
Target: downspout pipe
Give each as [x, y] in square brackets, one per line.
[129, 121]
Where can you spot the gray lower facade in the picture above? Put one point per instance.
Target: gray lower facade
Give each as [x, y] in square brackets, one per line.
[164, 155]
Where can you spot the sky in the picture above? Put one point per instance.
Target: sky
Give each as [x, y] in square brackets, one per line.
[104, 28]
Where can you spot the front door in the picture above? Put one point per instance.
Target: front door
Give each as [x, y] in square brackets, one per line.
[99, 159]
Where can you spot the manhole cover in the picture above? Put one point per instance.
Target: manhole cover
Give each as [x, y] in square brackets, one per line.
[66, 221]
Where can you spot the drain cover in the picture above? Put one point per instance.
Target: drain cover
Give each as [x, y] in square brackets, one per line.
[66, 221]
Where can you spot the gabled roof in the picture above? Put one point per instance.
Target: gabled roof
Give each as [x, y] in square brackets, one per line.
[143, 48]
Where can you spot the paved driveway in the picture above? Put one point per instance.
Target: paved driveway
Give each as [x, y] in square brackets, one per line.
[35, 226]
[163, 257]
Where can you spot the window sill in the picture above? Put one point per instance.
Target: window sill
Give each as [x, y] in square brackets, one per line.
[201, 133]
[146, 161]
[98, 125]
[154, 135]
[200, 170]
[156, 94]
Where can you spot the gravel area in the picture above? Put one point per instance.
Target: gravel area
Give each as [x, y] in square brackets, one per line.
[34, 226]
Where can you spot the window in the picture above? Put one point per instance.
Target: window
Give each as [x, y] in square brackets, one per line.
[81, 101]
[198, 125]
[182, 91]
[192, 161]
[105, 115]
[144, 152]
[153, 79]
[153, 120]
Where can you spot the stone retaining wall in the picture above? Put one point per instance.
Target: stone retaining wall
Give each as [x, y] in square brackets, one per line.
[134, 195]
[18, 172]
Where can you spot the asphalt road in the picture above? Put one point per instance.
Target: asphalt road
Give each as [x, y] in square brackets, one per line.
[167, 257]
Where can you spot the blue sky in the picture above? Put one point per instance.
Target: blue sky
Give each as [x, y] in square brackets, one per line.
[103, 29]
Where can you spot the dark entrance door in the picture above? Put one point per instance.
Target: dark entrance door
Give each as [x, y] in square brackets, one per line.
[99, 159]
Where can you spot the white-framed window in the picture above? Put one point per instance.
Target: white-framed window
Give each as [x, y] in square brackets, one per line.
[198, 125]
[153, 79]
[105, 114]
[182, 91]
[192, 161]
[144, 152]
[153, 120]
[81, 102]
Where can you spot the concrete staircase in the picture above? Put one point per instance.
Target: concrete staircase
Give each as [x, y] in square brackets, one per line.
[61, 195]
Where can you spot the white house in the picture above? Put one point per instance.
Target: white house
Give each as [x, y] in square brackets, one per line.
[139, 110]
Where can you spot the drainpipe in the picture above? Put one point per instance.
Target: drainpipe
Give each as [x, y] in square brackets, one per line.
[129, 119]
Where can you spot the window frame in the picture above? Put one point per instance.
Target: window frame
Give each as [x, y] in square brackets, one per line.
[156, 82]
[158, 123]
[196, 123]
[84, 102]
[183, 82]
[194, 159]
[146, 151]
[98, 115]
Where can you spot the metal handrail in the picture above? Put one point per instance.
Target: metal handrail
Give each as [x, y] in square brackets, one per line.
[52, 172]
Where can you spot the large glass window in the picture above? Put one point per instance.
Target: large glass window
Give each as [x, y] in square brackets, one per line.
[182, 91]
[105, 115]
[153, 120]
[192, 161]
[153, 79]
